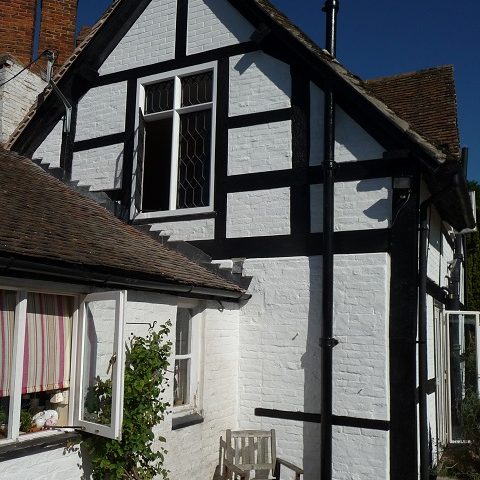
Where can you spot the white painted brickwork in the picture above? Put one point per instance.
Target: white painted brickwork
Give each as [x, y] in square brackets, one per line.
[359, 205]
[49, 150]
[361, 316]
[215, 24]
[187, 230]
[260, 148]
[360, 454]
[16, 97]
[100, 168]
[102, 111]
[352, 142]
[150, 40]
[258, 83]
[259, 213]
[280, 357]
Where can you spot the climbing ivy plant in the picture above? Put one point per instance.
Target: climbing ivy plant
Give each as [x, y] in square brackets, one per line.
[473, 260]
[133, 457]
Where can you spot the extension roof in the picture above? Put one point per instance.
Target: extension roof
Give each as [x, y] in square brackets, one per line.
[45, 221]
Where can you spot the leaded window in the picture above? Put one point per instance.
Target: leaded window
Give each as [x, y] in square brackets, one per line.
[175, 143]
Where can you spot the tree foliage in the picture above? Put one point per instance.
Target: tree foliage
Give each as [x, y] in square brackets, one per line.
[133, 457]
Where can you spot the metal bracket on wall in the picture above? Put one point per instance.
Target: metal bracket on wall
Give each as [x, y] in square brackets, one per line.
[328, 342]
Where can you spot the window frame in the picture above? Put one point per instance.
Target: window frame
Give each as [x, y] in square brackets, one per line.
[196, 357]
[175, 113]
[79, 297]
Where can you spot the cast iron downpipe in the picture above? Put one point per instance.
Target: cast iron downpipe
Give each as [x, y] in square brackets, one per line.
[327, 341]
[422, 329]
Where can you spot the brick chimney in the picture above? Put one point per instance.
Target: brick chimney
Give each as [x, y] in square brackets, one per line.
[17, 29]
[57, 27]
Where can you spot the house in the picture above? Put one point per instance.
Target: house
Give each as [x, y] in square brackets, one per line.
[219, 123]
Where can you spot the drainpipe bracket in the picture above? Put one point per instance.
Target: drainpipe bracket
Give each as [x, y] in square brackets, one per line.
[328, 342]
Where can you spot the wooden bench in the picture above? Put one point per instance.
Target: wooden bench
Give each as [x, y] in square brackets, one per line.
[246, 451]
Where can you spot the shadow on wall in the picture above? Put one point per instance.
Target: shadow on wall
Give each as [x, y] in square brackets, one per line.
[381, 209]
[268, 66]
[311, 362]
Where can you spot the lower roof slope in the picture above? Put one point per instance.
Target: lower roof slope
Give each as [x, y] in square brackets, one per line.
[43, 219]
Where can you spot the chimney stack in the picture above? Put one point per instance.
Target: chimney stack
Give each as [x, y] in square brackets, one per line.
[331, 9]
[57, 28]
[17, 29]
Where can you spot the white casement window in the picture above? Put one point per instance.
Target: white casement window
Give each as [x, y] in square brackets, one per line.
[187, 366]
[175, 142]
[61, 363]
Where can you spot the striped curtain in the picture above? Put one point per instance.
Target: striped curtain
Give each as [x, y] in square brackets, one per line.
[48, 335]
[7, 317]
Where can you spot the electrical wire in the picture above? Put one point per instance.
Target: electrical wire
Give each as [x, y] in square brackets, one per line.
[22, 70]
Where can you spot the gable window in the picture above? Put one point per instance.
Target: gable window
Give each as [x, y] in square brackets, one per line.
[52, 360]
[175, 142]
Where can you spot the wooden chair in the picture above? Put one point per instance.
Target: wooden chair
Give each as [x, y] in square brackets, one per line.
[251, 450]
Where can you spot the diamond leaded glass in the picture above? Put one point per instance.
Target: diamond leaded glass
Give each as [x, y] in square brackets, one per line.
[159, 97]
[194, 159]
[197, 89]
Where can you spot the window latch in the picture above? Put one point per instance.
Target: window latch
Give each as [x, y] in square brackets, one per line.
[113, 359]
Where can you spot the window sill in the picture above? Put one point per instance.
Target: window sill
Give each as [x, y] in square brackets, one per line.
[37, 444]
[186, 421]
[173, 216]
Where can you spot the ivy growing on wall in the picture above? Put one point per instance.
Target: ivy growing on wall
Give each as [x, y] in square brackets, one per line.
[133, 457]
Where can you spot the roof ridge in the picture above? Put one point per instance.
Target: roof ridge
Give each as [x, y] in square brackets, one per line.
[395, 76]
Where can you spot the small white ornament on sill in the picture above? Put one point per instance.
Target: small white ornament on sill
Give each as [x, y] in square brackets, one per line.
[47, 418]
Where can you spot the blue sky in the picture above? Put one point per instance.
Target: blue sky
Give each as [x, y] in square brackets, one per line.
[386, 37]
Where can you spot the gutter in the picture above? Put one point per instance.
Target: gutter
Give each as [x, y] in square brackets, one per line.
[115, 281]
[422, 326]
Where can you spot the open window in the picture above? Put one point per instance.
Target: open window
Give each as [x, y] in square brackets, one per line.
[40, 378]
[100, 367]
[175, 142]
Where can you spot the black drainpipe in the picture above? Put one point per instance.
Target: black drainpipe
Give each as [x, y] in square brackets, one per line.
[327, 341]
[422, 330]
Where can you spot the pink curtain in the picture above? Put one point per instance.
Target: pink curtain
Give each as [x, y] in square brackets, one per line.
[48, 335]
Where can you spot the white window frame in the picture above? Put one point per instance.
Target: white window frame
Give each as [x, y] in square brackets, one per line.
[114, 430]
[13, 433]
[196, 357]
[447, 314]
[177, 110]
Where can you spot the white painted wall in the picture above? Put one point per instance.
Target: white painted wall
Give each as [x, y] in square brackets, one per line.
[259, 213]
[258, 83]
[150, 40]
[101, 111]
[260, 148]
[100, 168]
[359, 205]
[280, 357]
[16, 97]
[50, 149]
[352, 142]
[188, 230]
[215, 24]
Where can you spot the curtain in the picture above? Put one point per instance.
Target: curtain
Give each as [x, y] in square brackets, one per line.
[7, 317]
[48, 335]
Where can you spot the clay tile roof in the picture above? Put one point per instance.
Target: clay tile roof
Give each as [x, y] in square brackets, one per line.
[426, 99]
[44, 220]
